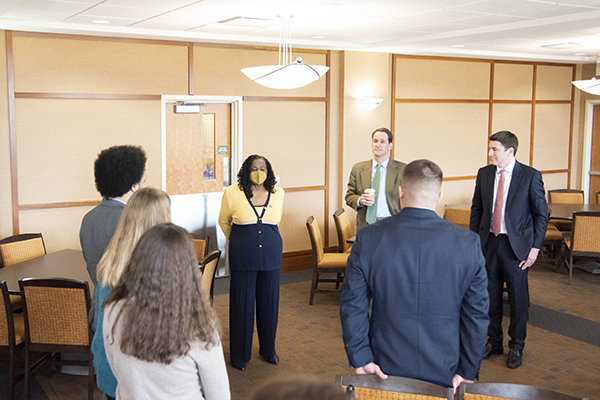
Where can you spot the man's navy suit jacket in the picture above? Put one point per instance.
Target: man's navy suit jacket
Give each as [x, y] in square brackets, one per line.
[427, 282]
[526, 211]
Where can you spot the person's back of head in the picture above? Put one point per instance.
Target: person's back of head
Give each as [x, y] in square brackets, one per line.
[421, 184]
[300, 389]
[118, 168]
[163, 310]
[146, 207]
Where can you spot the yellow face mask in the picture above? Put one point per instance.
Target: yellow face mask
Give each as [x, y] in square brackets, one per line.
[258, 177]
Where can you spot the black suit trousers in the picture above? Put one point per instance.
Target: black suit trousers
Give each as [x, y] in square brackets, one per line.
[503, 266]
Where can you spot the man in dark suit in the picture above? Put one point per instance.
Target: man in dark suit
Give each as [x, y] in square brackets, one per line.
[119, 171]
[510, 214]
[382, 174]
[427, 283]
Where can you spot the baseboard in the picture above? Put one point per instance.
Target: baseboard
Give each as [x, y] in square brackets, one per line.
[300, 260]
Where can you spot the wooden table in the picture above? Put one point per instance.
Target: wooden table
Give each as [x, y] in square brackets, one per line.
[565, 211]
[62, 264]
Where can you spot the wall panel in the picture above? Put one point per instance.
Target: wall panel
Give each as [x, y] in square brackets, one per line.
[217, 72]
[60, 226]
[452, 135]
[554, 82]
[442, 79]
[87, 66]
[555, 181]
[517, 119]
[551, 136]
[513, 81]
[291, 135]
[298, 206]
[456, 193]
[58, 141]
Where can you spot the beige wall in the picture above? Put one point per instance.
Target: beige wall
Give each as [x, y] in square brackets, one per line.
[312, 140]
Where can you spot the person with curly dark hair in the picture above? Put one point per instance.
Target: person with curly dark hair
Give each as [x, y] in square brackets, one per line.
[119, 171]
[250, 214]
[161, 334]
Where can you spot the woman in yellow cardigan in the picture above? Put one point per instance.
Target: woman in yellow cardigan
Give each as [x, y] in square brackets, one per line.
[250, 213]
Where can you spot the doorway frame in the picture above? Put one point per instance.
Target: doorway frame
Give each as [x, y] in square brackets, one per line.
[587, 146]
[236, 150]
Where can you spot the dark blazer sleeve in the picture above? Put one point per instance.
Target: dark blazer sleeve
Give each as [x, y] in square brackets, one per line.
[354, 311]
[474, 320]
[539, 209]
[476, 206]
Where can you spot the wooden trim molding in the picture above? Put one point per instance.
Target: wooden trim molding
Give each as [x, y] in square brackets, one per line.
[97, 38]
[459, 178]
[12, 131]
[327, 145]
[555, 171]
[260, 48]
[43, 206]
[191, 69]
[86, 96]
[282, 98]
[305, 188]
[480, 101]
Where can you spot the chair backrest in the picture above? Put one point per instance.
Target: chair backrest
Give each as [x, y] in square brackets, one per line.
[458, 216]
[585, 232]
[200, 245]
[23, 247]
[394, 387]
[565, 196]
[7, 328]
[56, 312]
[209, 263]
[508, 391]
[344, 229]
[315, 238]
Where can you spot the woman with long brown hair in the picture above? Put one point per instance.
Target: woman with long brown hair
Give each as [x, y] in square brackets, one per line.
[146, 208]
[160, 332]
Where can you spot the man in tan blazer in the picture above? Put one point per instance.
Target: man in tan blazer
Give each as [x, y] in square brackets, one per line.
[366, 174]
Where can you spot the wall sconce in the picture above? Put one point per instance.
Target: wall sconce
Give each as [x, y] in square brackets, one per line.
[368, 102]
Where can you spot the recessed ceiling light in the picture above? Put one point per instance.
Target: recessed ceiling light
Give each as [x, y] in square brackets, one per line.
[318, 37]
[458, 45]
[101, 21]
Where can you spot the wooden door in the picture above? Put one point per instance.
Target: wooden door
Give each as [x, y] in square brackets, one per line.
[197, 147]
[595, 156]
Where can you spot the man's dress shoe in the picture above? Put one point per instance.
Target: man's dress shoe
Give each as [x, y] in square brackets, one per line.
[515, 358]
[492, 350]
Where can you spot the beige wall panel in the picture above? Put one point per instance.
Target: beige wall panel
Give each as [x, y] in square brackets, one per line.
[365, 74]
[513, 81]
[84, 66]
[60, 226]
[442, 79]
[292, 137]
[554, 83]
[60, 139]
[551, 136]
[217, 72]
[517, 119]
[554, 181]
[456, 193]
[5, 188]
[298, 206]
[454, 136]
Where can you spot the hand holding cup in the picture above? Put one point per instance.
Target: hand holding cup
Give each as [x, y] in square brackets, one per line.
[368, 197]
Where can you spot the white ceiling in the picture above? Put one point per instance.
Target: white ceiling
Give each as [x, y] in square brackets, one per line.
[533, 30]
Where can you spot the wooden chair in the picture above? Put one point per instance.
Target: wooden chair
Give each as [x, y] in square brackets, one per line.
[12, 337]
[553, 243]
[344, 230]
[366, 387]
[564, 196]
[459, 216]
[56, 320]
[324, 262]
[200, 245]
[508, 391]
[207, 282]
[584, 237]
[23, 247]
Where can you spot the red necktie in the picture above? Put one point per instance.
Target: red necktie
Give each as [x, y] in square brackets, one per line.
[497, 217]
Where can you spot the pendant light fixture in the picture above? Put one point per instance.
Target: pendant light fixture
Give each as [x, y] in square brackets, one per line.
[591, 86]
[288, 74]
